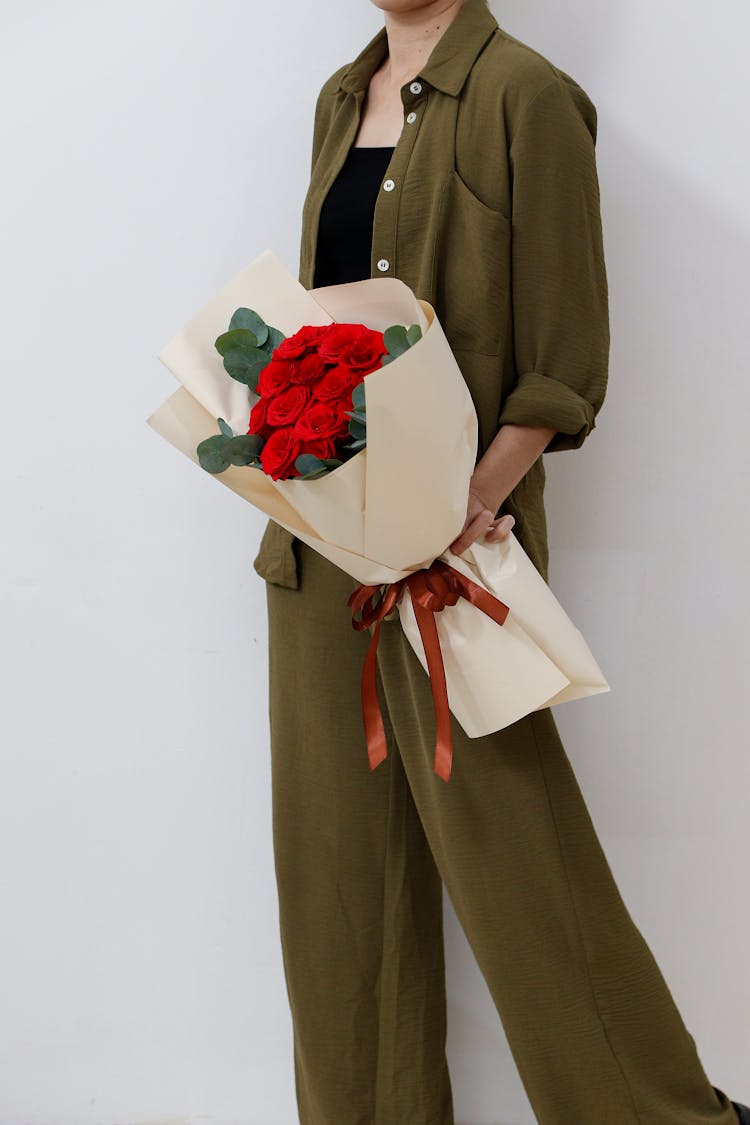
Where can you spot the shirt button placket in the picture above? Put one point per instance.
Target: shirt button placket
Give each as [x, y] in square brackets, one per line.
[382, 240]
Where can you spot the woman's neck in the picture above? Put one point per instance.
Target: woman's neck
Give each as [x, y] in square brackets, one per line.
[411, 37]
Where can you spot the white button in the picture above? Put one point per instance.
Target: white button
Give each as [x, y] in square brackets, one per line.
[389, 185]
[416, 87]
[384, 265]
[411, 117]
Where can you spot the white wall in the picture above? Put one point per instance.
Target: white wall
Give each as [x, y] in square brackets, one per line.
[149, 152]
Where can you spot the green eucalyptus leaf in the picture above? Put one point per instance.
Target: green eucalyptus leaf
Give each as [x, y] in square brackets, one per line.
[360, 443]
[243, 449]
[332, 462]
[225, 428]
[313, 474]
[358, 397]
[273, 340]
[250, 319]
[237, 338]
[357, 416]
[308, 463]
[413, 335]
[245, 364]
[242, 318]
[356, 429]
[212, 455]
[395, 339]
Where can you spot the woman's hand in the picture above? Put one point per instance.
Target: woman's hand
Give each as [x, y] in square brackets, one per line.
[510, 455]
[480, 519]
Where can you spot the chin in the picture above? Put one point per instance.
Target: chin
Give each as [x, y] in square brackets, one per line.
[407, 5]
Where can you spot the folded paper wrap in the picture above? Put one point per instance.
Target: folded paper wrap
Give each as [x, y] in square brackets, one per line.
[392, 509]
[496, 676]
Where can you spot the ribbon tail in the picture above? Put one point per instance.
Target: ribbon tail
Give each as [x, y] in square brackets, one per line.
[373, 720]
[480, 598]
[443, 740]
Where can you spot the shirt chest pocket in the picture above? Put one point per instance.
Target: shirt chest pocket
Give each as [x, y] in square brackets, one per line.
[471, 269]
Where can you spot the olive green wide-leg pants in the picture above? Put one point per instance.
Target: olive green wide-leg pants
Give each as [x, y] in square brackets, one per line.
[360, 859]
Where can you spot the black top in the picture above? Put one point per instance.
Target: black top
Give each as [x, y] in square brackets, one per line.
[344, 246]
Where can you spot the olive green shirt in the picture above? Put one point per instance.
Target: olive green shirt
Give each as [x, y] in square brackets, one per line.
[490, 211]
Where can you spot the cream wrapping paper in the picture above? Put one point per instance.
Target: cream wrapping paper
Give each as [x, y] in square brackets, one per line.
[386, 512]
[391, 509]
[497, 674]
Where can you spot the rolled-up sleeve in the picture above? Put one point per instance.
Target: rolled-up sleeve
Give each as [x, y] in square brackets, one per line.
[559, 282]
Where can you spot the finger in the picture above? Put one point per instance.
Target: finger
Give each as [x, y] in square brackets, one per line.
[455, 546]
[500, 529]
[468, 535]
[471, 532]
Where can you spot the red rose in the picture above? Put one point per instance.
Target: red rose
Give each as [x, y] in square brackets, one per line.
[279, 453]
[364, 353]
[286, 407]
[258, 420]
[321, 420]
[338, 337]
[303, 340]
[322, 447]
[308, 369]
[342, 406]
[353, 345]
[337, 383]
[274, 377]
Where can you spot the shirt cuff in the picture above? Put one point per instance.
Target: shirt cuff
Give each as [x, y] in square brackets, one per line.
[538, 400]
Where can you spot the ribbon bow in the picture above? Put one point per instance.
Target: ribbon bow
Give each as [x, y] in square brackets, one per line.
[431, 590]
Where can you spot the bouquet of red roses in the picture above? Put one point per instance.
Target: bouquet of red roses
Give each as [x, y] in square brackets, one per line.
[310, 415]
[305, 411]
[369, 345]
[356, 422]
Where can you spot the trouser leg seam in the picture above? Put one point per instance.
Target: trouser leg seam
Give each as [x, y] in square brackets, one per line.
[540, 757]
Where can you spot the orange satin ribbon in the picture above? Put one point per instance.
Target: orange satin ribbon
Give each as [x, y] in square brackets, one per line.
[431, 590]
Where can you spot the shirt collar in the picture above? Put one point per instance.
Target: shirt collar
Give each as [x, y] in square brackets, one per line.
[451, 59]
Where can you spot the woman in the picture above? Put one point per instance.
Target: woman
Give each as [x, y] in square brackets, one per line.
[453, 156]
